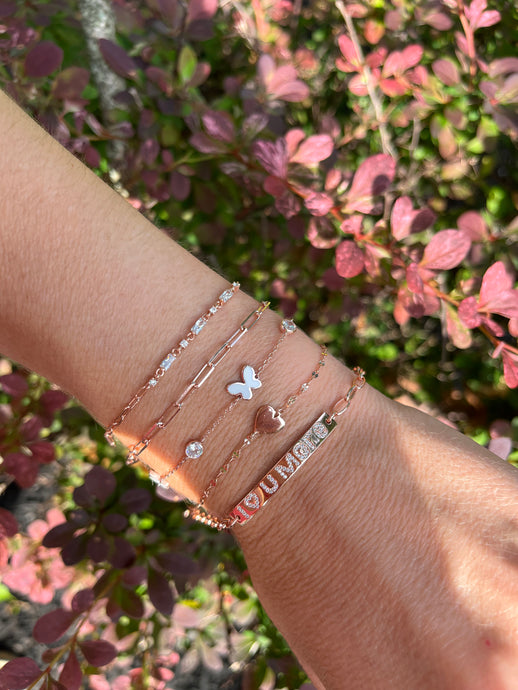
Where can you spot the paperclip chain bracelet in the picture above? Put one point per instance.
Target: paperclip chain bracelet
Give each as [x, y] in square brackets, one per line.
[268, 420]
[285, 468]
[203, 374]
[194, 449]
[169, 358]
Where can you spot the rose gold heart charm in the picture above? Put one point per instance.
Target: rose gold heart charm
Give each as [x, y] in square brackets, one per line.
[268, 420]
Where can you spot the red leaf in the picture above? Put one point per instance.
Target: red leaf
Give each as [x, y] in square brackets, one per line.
[468, 312]
[43, 451]
[495, 280]
[349, 259]
[459, 334]
[53, 625]
[70, 83]
[8, 524]
[446, 71]
[160, 592]
[510, 368]
[287, 204]
[135, 500]
[313, 150]
[100, 483]
[43, 59]
[59, 535]
[321, 233]
[30, 429]
[179, 186]
[82, 600]
[219, 125]
[17, 674]
[117, 59]
[400, 60]
[473, 225]
[372, 178]
[446, 250]
[274, 186]
[14, 385]
[23, 468]
[131, 603]
[123, 554]
[413, 279]
[319, 204]
[404, 219]
[98, 652]
[53, 401]
[71, 674]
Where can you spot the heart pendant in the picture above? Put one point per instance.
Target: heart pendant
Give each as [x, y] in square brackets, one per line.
[268, 420]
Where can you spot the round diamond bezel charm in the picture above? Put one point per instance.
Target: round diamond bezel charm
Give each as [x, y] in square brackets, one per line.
[194, 449]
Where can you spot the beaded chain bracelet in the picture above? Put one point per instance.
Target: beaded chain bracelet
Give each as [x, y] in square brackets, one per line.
[285, 468]
[268, 420]
[169, 358]
[240, 391]
[197, 382]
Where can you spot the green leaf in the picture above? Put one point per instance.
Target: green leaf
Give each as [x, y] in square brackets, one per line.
[187, 63]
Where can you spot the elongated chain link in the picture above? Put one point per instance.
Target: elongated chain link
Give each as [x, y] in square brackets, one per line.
[287, 327]
[247, 441]
[284, 468]
[197, 382]
[171, 356]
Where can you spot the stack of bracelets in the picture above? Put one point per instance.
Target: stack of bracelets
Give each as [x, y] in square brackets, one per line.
[268, 419]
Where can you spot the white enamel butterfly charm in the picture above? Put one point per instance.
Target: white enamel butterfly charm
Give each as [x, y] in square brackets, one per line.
[250, 381]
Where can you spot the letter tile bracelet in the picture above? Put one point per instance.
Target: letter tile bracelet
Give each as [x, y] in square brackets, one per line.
[268, 418]
[285, 468]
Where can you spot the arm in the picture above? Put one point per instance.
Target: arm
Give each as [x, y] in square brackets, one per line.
[389, 561]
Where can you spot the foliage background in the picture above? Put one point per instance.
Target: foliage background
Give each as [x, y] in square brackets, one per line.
[356, 161]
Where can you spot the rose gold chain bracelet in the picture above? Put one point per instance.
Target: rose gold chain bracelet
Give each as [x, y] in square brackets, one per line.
[285, 468]
[195, 448]
[268, 420]
[197, 382]
[169, 358]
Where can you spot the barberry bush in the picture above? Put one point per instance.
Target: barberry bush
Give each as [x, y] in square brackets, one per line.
[356, 161]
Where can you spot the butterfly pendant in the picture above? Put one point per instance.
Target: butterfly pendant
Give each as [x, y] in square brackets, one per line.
[244, 389]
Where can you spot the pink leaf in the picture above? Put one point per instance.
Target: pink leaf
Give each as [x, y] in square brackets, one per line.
[488, 18]
[18, 674]
[460, 335]
[287, 204]
[446, 250]
[404, 219]
[400, 60]
[179, 186]
[349, 52]
[350, 260]
[219, 125]
[372, 178]
[160, 592]
[319, 204]
[446, 71]
[413, 279]
[117, 59]
[439, 21]
[98, 652]
[313, 150]
[45, 58]
[510, 368]
[71, 674]
[503, 66]
[273, 156]
[495, 281]
[394, 87]
[468, 312]
[293, 138]
[8, 524]
[201, 10]
[285, 85]
[473, 225]
[321, 233]
[352, 225]
[501, 446]
[53, 625]
[204, 144]
[411, 303]
[358, 85]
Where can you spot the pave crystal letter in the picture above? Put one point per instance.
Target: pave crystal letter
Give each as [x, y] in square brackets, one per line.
[244, 389]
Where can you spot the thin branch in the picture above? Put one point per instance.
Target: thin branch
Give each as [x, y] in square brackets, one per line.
[386, 141]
